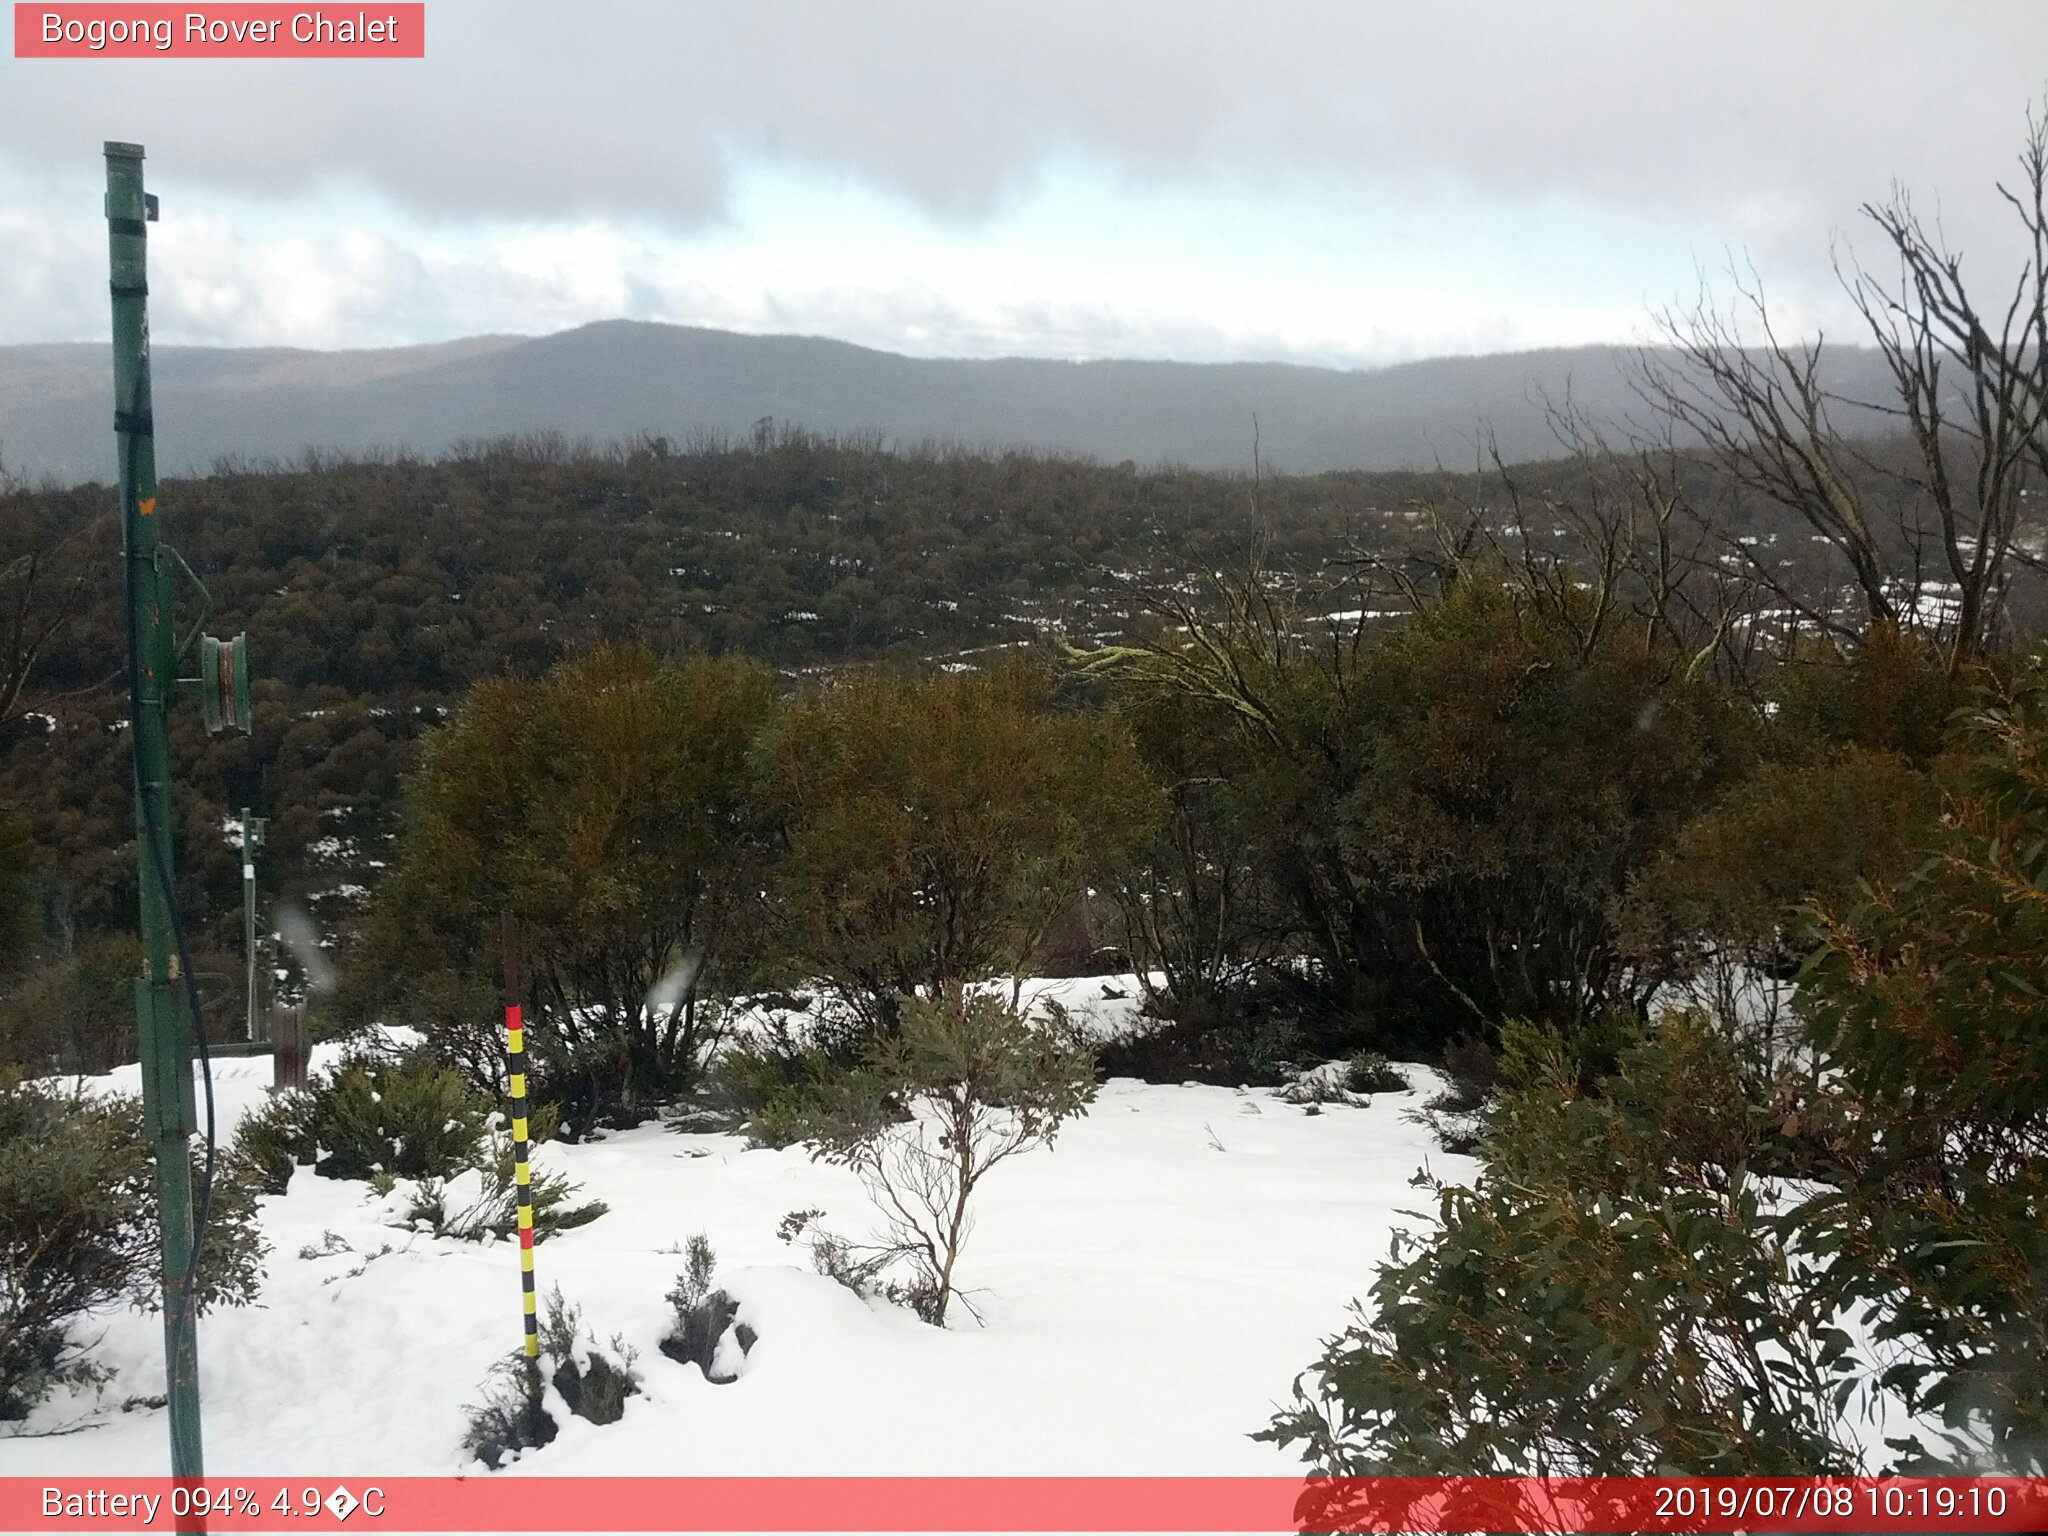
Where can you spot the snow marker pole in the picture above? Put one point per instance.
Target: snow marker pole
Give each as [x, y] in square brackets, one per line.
[522, 1176]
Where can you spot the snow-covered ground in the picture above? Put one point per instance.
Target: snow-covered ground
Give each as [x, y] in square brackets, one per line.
[1150, 1286]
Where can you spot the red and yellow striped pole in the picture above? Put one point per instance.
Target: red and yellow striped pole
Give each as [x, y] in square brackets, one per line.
[522, 1176]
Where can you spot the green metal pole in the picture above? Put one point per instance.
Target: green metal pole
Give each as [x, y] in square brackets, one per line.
[165, 1032]
[252, 839]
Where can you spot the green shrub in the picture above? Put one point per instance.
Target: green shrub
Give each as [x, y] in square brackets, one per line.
[609, 807]
[280, 1134]
[483, 1201]
[76, 1012]
[391, 1118]
[78, 1231]
[768, 1082]
[1241, 1048]
[594, 1385]
[406, 1116]
[1344, 1082]
[1612, 1297]
[966, 1082]
[1370, 1072]
[399, 1115]
[511, 1417]
[1928, 1008]
[937, 827]
[703, 1313]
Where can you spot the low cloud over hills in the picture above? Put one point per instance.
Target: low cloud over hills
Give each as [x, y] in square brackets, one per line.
[618, 377]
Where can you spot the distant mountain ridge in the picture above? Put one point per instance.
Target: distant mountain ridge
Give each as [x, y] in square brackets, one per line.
[617, 377]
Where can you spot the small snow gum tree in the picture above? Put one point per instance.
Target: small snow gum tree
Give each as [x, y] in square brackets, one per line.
[605, 806]
[966, 1082]
[79, 1235]
[935, 828]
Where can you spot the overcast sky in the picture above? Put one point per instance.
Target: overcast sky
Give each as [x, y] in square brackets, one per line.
[1323, 181]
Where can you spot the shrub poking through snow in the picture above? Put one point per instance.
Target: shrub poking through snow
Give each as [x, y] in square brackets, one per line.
[593, 1385]
[705, 1316]
[966, 1082]
[511, 1418]
[78, 1231]
[1239, 1048]
[413, 1128]
[277, 1136]
[1456, 1116]
[1344, 1082]
[767, 1082]
[1612, 1295]
[409, 1117]
[858, 1268]
[483, 1202]
[1370, 1072]
[401, 1115]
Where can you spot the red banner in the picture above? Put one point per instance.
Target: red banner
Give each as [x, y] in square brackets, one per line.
[509, 1502]
[240, 31]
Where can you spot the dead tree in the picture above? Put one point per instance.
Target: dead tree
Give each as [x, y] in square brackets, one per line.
[1970, 395]
[1615, 542]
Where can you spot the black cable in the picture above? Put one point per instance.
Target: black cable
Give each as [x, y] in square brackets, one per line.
[152, 834]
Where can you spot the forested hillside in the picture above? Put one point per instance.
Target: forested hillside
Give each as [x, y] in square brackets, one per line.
[375, 593]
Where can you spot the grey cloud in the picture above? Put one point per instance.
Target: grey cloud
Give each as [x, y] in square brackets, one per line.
[1771, 119]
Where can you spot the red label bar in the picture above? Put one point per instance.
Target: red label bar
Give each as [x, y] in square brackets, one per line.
[372, 30]
[1016, 1504]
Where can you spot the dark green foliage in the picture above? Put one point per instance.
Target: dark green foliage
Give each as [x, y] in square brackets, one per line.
[20, 915]
[1194, 906]
[703, 1314]
[1726, 904]
[964, 1083]
[937, 827]
[594, 1385]
[72, 1198]
[608, 808]
[377, 593]
[1473, 1072]
[383, 1117]
[489, 1206]
[1244, 1046]
[280, 1134]
[1892, 694]
[770, 1081]
[1370, 1072]
[1504, 786]
[402, 1116]
[407, 1119]
[1629, 1286]
[511, 1417]
[1455, 1115]
[1447, 812]
[1928, 1003]
[1612, 1297]
[78, 1231]
[74, 1013]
